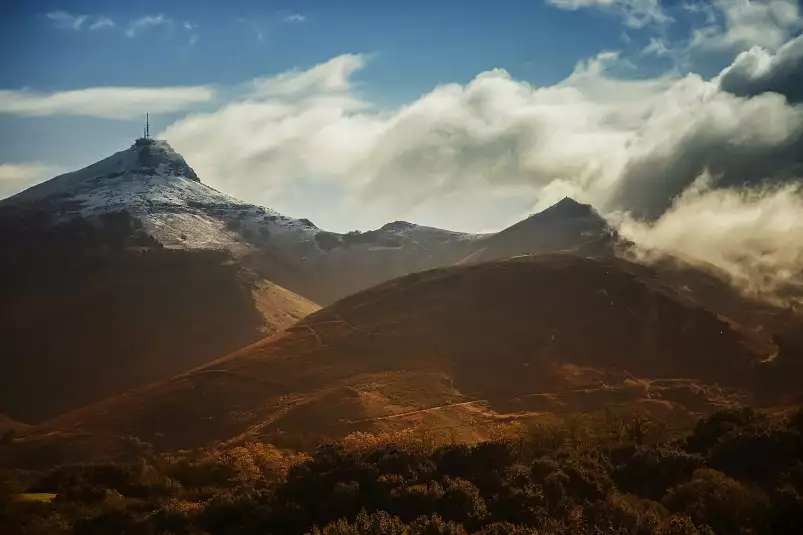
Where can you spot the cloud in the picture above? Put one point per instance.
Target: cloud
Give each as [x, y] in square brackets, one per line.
[15, 177]
[66, 20]
[760, 71]
[105, 102]
[623, 145]
[331, 76]
[70, 21]
[746, 23]
[634, 13]
[148, 21]
[657, 47]
[294, 17]
[754, 234]
[101, 22]
[192, 28]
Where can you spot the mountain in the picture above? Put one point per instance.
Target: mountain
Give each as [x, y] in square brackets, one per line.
[566, 226]
[132, 270]
[155, 184]
[96, 297]
[456, 348]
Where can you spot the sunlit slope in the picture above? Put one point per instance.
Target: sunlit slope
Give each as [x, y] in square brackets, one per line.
[480, 338]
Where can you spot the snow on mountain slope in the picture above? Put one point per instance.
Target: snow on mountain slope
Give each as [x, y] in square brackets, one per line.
[154, 183]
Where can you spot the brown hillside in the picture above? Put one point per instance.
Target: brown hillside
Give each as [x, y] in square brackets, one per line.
[451, 347]
[89, 310]
[143, 318]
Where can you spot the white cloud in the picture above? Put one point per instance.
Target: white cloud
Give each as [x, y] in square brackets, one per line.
[148, 21]
[101, 22]
[192, 28]
[71, 21]
[602, 138]
[657, 47]
[754, 234]
[294, 17]
[331, 76]
[634, 13]
[66, 20]
[620, 144]
[15, 177]
[747, 23]
[759, 71]
[105, 102]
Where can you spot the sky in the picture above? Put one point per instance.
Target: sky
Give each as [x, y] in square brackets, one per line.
[680, 120]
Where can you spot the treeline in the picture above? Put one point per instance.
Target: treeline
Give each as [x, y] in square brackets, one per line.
[735, 472]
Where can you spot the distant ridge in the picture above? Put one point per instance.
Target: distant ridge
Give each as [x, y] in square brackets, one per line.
[565, 226]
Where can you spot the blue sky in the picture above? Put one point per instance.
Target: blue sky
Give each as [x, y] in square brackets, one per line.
[203, 56]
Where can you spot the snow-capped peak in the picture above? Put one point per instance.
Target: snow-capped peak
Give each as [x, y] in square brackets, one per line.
[130, 171]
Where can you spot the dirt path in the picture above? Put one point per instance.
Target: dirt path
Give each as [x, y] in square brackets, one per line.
[419, 411]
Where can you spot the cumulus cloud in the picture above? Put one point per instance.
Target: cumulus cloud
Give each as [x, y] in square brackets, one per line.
[760, 71]
[105, 102]
[634, 13]
[15, 177]
[329, 77]
[736, 25]
[754, 234]
[622, 145]
[148, 21]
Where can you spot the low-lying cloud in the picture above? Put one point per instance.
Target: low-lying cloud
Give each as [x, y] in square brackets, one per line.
[105, 102]
[754, 234]
[633, 146]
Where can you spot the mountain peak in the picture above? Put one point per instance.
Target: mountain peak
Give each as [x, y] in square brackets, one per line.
[156, 155]
[147, 164]
[398, 225]
[567, 208]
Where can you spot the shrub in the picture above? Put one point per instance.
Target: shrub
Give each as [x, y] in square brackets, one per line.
[378, 523]
[707, 431]
[712, 498]
[756, 454]
[651, 470]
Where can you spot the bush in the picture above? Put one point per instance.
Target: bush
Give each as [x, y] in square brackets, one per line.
[756, 454]
[707, 431]
[712, 498]
[651, 470]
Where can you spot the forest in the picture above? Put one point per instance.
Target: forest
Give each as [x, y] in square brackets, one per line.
[736, 471]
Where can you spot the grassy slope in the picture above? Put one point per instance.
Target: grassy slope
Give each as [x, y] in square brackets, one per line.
[494, 335]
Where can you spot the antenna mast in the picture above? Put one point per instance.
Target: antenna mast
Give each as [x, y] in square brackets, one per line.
[147, 127]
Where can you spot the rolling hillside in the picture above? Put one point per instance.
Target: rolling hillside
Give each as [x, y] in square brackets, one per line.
[456, 348]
